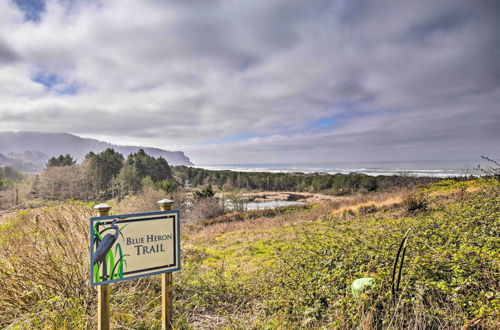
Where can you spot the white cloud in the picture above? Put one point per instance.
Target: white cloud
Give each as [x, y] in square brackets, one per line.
[400, 79]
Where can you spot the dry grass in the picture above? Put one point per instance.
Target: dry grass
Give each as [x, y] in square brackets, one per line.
[42, 255]
[203, 209]
[143, 202]
[319, 211]
[374, 201]
[363, 204]
[202, 232]
[44, 275]
[263, 196]
[235, 274]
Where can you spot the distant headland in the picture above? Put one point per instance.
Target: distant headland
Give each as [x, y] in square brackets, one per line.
[31, 150]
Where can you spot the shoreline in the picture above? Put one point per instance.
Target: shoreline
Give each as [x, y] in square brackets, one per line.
[431, 172]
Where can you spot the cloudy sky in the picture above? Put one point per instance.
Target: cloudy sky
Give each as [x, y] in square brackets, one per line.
[261, 81]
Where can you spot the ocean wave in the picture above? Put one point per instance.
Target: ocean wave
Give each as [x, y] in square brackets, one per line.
[372, 171]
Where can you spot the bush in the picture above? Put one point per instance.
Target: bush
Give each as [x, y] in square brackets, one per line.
[205, 208]
[367, 209]
[64, 182]
[145, 201]
[167, 186]
[205, 192]
[254, 214]
[492, 171]
[415, 202]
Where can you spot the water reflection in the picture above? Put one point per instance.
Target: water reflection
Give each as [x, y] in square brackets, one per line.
[250, 206]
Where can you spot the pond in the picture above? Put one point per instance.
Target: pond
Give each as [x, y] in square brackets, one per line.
[251, 206]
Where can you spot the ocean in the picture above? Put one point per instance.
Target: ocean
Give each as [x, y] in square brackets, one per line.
[441, 169]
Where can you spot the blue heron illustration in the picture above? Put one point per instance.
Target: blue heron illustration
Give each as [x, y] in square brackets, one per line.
[106, 244]
[104, 257]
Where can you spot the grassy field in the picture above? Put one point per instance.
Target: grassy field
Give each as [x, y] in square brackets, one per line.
[289, 268]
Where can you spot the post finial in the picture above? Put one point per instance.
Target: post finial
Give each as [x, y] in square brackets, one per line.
[165, 204]
[103, 209]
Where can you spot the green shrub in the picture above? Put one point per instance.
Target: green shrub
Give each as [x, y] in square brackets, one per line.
[167, 186]
[205, 192]
[415, 202]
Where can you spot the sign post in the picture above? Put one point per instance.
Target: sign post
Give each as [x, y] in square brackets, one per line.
[103, 291]
[131, 246]
[166, 282]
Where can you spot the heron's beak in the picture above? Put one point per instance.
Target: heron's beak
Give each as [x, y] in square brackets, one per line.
[115, 220]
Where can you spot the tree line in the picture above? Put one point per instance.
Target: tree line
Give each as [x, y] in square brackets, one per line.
[337, 184]
[102, 175]
[109, 174]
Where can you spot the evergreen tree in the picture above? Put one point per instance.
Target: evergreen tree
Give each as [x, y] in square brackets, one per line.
[167, 186]
[128, 180]
[156, 168]
[102, 168]
[62, 160]
[205, 192]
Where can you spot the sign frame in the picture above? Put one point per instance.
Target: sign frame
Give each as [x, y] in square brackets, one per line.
[177, 243]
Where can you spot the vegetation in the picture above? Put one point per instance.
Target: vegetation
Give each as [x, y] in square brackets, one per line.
[167, 186]
[338, 184]
[8, 176]
[101, 176]
[62, 160]
[493, 170]
[288, 269]
[205, 192]
[101, 169]
[156, 168]
[415, 202]
[285, 268]
[109, 174]
[256, 214]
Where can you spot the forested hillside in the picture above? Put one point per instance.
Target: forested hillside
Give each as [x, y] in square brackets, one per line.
[30, 150]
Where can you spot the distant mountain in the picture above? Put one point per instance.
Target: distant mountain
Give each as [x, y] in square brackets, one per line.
[28, 161]
[37, 147]
[4, 160]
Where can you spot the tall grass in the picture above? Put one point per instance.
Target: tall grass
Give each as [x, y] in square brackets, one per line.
[44, 262]
[280, 270]
[297, 274]
[44, 274]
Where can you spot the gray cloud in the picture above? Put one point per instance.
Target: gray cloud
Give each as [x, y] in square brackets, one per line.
[7, 55]
[389, 79]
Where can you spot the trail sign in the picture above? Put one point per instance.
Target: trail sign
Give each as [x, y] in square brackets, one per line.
[130, 246]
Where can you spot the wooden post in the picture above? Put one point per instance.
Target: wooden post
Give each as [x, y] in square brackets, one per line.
[166, 283]
[103, 292]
